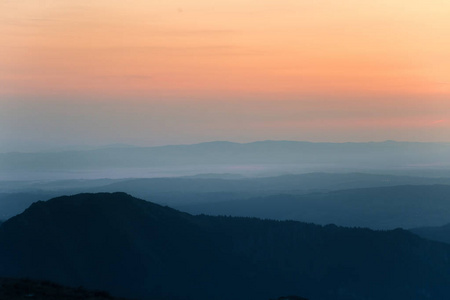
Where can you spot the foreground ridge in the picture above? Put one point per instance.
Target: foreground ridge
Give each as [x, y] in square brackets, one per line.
[138, 249]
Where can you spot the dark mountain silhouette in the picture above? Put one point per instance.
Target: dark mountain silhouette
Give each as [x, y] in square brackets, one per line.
[134, 248]
[437, 233]
[379, 208]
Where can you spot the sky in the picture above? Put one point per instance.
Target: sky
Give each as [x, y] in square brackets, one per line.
[149, 72]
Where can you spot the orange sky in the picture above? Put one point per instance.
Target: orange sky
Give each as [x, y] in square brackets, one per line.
[350, 53]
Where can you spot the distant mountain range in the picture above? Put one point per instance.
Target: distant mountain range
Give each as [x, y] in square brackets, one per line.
[409, 202]
[286, 184]
[346, 199]
[135, 248]
[436, 233]
[219, 183]
[377, 208]
[306, 155]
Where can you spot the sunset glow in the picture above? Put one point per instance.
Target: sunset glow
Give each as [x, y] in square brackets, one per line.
[282, 67]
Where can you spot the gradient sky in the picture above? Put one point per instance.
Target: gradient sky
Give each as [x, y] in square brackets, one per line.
[167, 72]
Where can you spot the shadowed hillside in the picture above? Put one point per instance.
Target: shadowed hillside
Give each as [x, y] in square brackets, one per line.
[134, 248]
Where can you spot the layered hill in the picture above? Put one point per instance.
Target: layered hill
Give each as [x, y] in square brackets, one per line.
[435, 233]
[386, 207]
[409, 202]
[286, 184]
[134, 248]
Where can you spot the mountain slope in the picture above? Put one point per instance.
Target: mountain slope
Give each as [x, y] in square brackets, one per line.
[134, 248]
[93, 238]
